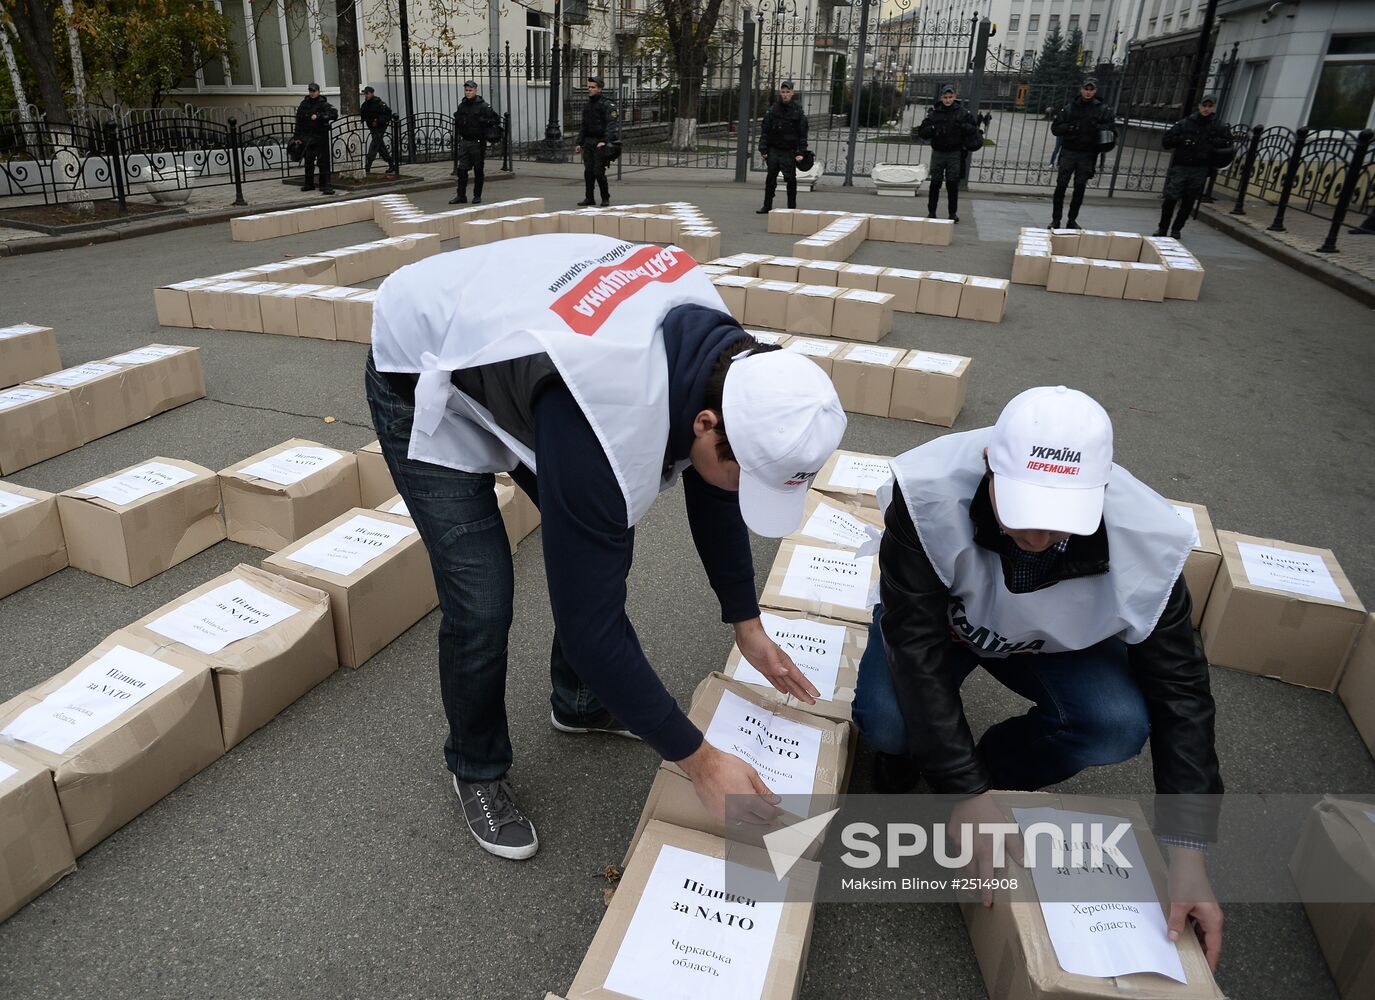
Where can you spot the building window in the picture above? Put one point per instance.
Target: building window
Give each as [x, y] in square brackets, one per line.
[1014, 22]
[1093, 22]
[1073, 21]
[1183, 19]
[1345, 95]
[1034, 23]
[1086, 57]
[1028, 57]
[1168, 23]
[538, 43]
[277, 45]
[1054, 22]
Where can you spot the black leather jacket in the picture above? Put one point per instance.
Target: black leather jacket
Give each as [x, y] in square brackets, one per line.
[324, 113]
[1078, 123]
[1197, 141]
[472, 117]
[784, 129]
[600, 123]
[946, 129]
[1168, 665]
[375, 113]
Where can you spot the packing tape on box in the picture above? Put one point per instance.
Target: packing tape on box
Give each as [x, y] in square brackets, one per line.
[1354, 956]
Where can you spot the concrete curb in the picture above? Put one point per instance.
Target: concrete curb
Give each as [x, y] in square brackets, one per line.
[1359, 288]
[69, 241]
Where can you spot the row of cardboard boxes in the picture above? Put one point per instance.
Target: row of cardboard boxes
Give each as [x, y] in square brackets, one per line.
[886, 381]
[324, 312]
[53, 413]
[378, 208]
[138, 522]
[846, 230]
[1111, 265]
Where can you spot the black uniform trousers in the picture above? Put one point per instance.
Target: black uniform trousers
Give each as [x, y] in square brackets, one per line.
[470, 155]
[946, 167]
[377, 146]
[594, 169]
[317, 152]
[786, 163]
[1183, 187]
[1080, 167]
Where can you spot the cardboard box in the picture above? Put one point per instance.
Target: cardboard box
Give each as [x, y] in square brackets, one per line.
[863, 377]
[1124, 246]
[937, 232]
[250, 228]
[278, 308]
[1030, 267]
[800, 642]
[805, 221]
[882, 227]
[633, 947]
[853, 477]
[822, 580]
[315, 316]
[353, 317]
[863, 315]
[162, 729]
[769, 337]
[1107, 279]
[983, 299]
[1357, 687]
[35, 852]
[659, 229]
[100, 395]
[1333, 866]
[1200, 569]
[820, 272]
[378, 600]
[374, 478]
[32, 545]
[1281, 610]
[1067, 274]
[780, 268]
[210, 305]
[268, 640]
[904, 285]
[136, 523]
[161, 377]
[823, 352]
[26, 352]
[1094, 244]
[518, 511]
[1146, 282]
[173, 304]
[731, 288]
[766, 303]
[1013, 945]
[273, 512]
[36, 424]
[811, 309]
[1184, 280]
[781, 220]
[741, 718]
[930, 388]
[859, 276]
[940, 293]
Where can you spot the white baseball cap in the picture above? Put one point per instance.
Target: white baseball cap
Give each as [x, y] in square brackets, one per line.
[1051, 454]
[783, 420]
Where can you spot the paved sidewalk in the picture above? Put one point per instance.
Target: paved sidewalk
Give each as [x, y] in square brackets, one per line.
[1304, 233]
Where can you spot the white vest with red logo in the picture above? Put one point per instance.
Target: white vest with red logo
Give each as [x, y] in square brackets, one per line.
[594, 304]
[1147, 546]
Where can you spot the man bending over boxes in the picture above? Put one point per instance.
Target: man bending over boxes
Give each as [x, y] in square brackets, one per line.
[596, 371]
[1024, 550]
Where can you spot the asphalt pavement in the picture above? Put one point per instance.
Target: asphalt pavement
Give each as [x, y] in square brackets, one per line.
[325, 857]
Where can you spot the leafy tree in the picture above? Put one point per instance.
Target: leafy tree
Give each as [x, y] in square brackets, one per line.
[32, 22]
[138, 50]
[683, 29]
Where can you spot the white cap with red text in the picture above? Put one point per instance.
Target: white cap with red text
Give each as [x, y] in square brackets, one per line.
[1051, 454]
[783, 420]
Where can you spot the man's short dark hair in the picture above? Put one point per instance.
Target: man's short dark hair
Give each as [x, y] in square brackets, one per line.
[716, 385]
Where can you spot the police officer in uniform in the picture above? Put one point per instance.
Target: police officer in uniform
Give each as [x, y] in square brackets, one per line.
[1200, 142]
[313, 117]
[947, 127]
[1078, 125]
[1023, 550]
[473, 119]
[377, 117]
[782, 138]
[601, 130]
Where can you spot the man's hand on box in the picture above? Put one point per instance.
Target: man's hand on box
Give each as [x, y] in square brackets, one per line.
[728, 788]
[1191, 896]
[972, 814]
[777, 666]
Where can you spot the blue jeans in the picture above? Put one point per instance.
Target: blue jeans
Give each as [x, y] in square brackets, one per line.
[458, 520]
[1088, 711]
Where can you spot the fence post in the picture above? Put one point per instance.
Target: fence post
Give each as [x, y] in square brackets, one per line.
[859, 89]
[742, 133]
[236, 161]
[116, 150]
[976, 79]
[1248, 165]
[1353, 173]
[506, 141]
[1290, 175]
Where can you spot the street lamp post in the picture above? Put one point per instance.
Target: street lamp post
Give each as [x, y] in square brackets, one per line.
[552, 151]
[864, 6]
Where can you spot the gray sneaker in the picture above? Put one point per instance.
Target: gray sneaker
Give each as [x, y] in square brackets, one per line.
[495, 819]
[606, 724]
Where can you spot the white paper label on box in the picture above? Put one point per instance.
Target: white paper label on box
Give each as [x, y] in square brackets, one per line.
[399, 508]
[18, 330]
[818, 291]
[13, 501]
[1284, 569]
[830, 524]
[945, 276]
[814, 646]
[7, 772]
[1000, 283]
[1107, 939]
[870, 355]
[764, 337]
[825, 265]
[97, 696]
[1188, 514]
[136, 484]
[690, 938]
[291, 466]
[831, 576]
[222, 616]
[21, 394]
[785, 753]
[79, 375]
[733, 281]
[144, 355]
[352, 545]
[777, 286]
[864, 295]
[812, 348]
[943, 364]
[860, 472]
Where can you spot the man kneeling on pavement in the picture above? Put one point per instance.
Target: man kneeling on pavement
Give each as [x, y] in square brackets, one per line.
[1022, 549]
